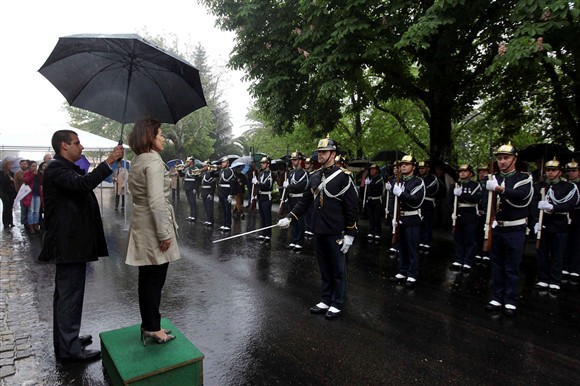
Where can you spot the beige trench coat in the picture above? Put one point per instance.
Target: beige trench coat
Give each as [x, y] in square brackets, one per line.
[119, 176]
[153, 216]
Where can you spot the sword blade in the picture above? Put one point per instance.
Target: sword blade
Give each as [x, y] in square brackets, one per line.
[243, 234]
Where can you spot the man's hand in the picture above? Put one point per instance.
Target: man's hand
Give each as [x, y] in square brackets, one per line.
[346, 243]
[388, 185]
[164, 245]
[255, 181]
[457, 191]
[117, 153]
[285, 184]
[367, 181]
[491, 184]
[398, 189]
[545, 205]
[536, 228]
[284, 222]
[230, 198]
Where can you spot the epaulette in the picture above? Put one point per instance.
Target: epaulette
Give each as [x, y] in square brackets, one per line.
[315, 170]
[346, 171]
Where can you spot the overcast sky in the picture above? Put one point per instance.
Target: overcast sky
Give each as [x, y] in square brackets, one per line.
[29, 30]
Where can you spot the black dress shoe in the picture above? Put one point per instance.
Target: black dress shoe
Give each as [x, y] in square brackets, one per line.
[332, 315]
[492, 307]
[318, 310]
[509, 311]
[85, 340]
[83, 356]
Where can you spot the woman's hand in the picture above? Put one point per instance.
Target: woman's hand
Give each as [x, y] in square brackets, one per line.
[164, 245]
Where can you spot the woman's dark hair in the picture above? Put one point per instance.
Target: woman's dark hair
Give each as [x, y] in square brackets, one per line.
[143, 135]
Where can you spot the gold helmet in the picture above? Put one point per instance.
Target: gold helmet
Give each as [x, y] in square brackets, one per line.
[422, 164]
[375, 166]
[572, 165]
[508, 149]
[552, 164]
[407, 159]
[224, 159]
[265, 160]
[308, 160]
[296, 155]
[483, 167]
[466, 167]
[327, 144]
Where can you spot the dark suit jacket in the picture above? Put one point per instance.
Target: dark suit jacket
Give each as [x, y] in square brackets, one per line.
[74, 230]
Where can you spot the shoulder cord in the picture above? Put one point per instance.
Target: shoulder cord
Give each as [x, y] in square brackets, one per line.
[226, 179]
[565, 199]
[343, 191]
[268, 177]
[517, 185]
[323, 182]
[211, 178]
[415, 190]
[293, 178]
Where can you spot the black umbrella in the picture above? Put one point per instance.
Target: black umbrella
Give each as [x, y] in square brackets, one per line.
[387, 156]
[545, 152]
[123, 77]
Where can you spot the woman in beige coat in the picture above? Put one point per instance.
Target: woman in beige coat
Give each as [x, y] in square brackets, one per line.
[153, 230]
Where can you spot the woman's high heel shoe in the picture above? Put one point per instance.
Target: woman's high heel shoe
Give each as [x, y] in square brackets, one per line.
[164, 330]
[150, 334]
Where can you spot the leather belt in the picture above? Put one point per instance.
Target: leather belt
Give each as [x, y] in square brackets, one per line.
[513, 223]
[296, 194]
[409, 213]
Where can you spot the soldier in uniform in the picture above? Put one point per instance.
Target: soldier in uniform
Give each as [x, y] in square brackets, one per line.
[410, 191]
[190, 185]
[207, 188]
[432, 188]
[556, 198]
[375, 187]
[334, 225]
[309, 168]
[465, 217]
[513, 193]
[296, 185]
[480, 254]
[264, 183]
[572, 255]
[226, 179]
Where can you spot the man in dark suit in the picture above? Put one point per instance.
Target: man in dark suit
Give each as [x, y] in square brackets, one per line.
[74, 236]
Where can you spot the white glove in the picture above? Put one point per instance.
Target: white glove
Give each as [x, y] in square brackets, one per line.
[536, 228]
[230, 198]
[545, 205]
[367, 181]
[386, 212]
[398, 189]
[209, 197]
[284, 222]
[453, 217]
[285, 184]
[346, 243]
[394, 223]
[255, 181]
[194, 191]
[457, 191]
[491, 184]
[388, 185]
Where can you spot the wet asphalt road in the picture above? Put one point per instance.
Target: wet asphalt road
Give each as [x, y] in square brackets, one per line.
[245, 303]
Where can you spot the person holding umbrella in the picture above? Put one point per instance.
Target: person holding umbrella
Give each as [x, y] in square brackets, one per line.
[153, 231]
[73, 236]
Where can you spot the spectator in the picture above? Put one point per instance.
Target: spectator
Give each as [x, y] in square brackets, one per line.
[32, 200]
[7, 193]
[18, 181]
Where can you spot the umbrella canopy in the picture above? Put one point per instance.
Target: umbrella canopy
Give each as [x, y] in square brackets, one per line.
[356, 165]
[545, 152]
[277, 165]
[15, 163]
[174, 162]
[123, 77]
[243, 161]
[387, 156]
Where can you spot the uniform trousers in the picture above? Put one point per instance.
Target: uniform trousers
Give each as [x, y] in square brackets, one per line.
[464, 239]
[265, 208]
[427, 224]
[298, 226]
[226, 210]
[151, 281]
[191, 200]
[7, 211]
[332, 264]
[479, 236]
[69, 291]
[308, 218]
[506, 255]
[551, 257]
[409, 250]
[375, 212]
[208, 206]
[572, 254]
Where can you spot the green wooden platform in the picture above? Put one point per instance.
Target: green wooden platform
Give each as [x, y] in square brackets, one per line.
[127, 362]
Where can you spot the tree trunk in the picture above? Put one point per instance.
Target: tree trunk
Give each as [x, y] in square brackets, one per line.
[440, 132]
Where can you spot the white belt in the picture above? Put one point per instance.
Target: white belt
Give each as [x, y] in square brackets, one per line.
[375, 198]
[268, 193]
[190, 179]
[206, 186]
[225, 185]
[467, 205]
[409, 213]
[429, 199]
[521, 221]
[296, 194]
